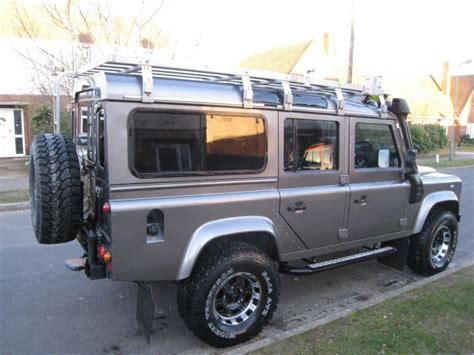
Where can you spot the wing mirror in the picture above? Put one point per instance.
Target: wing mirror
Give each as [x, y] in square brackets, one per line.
[384, 158]
[410, 162]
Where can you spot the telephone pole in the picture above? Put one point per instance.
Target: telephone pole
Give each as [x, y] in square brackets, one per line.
[351, 47]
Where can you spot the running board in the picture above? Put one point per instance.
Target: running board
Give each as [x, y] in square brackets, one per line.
[334, 263]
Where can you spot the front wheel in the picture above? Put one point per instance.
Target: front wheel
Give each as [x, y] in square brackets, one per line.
[431, 251]
[230, 296]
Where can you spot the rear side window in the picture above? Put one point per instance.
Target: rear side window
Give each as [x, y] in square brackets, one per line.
[180, 144]
[310, 145]
[370, 138]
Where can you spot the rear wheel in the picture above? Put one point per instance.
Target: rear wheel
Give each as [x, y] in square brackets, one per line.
[55, 189]
[231, 295]
[431, 251]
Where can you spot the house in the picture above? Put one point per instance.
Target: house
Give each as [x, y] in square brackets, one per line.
[316, 57]
[16, 131]
[464, 104]
[432, 102]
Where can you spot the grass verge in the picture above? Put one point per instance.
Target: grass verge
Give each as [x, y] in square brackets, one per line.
[465, 148]
[437, 318]
[448, 163]
[14, 196]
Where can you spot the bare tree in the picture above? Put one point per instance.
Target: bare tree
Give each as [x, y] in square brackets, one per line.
[88, 28]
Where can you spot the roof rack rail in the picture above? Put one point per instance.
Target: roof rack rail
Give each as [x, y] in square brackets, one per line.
[248, 80]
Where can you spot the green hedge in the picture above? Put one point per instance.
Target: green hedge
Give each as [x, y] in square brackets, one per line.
[43, 122]
[466, 141]
[427, 138]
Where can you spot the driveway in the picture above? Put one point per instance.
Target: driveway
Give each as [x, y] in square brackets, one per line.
[48, 309]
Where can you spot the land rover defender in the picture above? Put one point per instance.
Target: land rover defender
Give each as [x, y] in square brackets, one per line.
[220, 181]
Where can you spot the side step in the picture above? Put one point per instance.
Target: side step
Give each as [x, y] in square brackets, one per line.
[75, 264]
[334, 263]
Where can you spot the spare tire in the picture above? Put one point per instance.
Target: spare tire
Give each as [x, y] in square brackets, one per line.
[55, 189]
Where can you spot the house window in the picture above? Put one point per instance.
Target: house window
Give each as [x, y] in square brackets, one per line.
[19, 145]
[18, 122]
[181, 144]
[310, 145]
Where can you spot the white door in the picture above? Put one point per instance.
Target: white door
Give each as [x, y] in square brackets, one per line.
[12, 142]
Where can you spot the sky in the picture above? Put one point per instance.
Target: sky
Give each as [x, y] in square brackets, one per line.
[392, 38]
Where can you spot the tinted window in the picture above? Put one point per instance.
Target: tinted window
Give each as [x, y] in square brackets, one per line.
[101, 118]
[166, 143]
[370, 139]
[310, 145]
[84, 119]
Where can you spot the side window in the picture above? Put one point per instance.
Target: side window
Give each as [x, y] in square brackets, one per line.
[310, 145]
[101, 137]
[180, 144]
[372, 140]
[84, 119]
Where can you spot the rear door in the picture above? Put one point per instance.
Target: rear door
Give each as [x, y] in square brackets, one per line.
[378, 193]
[312, 160]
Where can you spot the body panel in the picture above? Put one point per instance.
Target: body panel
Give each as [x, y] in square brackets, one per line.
[198, 209]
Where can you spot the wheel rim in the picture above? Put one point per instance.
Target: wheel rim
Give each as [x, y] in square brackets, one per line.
[237, 299]
[440, 246]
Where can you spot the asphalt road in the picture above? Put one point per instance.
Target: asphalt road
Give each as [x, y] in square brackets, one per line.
[47, 309]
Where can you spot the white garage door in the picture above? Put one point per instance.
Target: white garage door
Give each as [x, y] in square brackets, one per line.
[12, 140]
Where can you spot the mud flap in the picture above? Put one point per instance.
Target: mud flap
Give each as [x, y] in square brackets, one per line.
[398, 259]
[145, 308]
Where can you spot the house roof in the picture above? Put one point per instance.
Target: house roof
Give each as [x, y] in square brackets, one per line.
[281, 59]
[465, 90]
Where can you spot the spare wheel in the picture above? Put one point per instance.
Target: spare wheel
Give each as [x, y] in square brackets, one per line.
[55, 189]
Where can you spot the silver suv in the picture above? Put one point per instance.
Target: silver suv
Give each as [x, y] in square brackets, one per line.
[221, 181]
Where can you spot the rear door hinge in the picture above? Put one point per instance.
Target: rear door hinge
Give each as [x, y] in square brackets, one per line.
[344, 179]
[342, 233]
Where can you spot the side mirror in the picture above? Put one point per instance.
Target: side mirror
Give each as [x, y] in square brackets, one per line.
[384, 158]
[410, 162]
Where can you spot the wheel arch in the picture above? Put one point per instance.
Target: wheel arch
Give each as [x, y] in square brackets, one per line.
[441, 199]
[255, 230]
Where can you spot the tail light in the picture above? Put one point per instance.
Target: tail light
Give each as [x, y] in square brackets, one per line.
[106, 208]
[104, 254]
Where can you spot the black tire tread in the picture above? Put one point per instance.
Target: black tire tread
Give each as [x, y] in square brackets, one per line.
[421, 241]
[205, 267]
[58, 189]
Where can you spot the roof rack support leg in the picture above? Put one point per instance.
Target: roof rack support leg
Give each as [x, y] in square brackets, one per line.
[248, 91]
[147, 84]
[383, 106]
[288, 96]
[57, 99]
[340, 101]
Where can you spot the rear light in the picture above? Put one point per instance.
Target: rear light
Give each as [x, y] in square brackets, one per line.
[106, 208]
[104, 254]
[102, 251]
[107, 257]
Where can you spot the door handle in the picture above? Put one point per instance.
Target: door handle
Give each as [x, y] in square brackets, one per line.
[297, 208]
[362, 200]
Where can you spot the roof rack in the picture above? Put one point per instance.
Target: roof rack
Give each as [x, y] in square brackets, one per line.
[248, 80]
